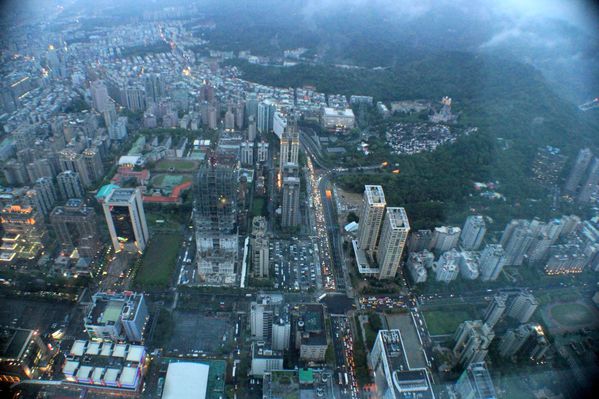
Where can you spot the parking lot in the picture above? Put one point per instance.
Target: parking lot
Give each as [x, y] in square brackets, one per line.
[295, 265]
[34, 314]
[195, 334]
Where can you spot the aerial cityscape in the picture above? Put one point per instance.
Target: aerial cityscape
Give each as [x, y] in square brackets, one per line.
[299, 200]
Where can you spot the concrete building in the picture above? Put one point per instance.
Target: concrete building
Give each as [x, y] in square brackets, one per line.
[418, 263]
[266, 111]
[371, 218]
[522, 306]
[492, 259]
[495, 310]
[516, 241]
[99, 93]
[472, 340]
[70, 160]
[290, 203]
[262, 151]
[447, 268]
[247, 153]
[46, 193]
[117, 317]
[583, 160]
[23, 355]
[265, 359]
[93, 163]
[420, 240]
[469, 265]
[24, 232]
[394, 234]
[311, 336]
[527, 342]
[475, 383]
[337, 120]
[186, 380]
[69, 185]
[126, 220]
[393, 376]
[473, 233]
[445, 238]
[117, 130]
[289, 145]
[260, 247]
[588, 190]
[76, 228]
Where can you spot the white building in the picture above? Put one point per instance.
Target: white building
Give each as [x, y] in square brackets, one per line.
[264, 359]
[371, 217]
[469, 263]
[491, 262]
[186, 380]
[445, 238]
[523, 306]
[446, 268]
[473, 233]
[394, 234]
[337, 119]
[126, 220]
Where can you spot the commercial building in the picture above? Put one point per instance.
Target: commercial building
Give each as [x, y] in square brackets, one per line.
[392, 241]
[69, 185]
[126, 220]
[297, 384]
[473, 233]
[310, 332]
[393, 375]
[371, 218]
[117, 317]
[215, 220]
[260, 247]
[472, 340]
[76, 228]
[186, 380]
[23, 232]
[270, 321]
[102, 365]
[522, 306]
[475, 383]
[337, 120]
[491, 262]
[23, 355]
[265, 359]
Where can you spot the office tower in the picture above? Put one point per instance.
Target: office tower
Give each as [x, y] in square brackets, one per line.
[118, 129]
[126, 219]
[251, 128]
[154, 87]
[265, 359]
[445, 238]
[262, 152]
[492, 259]
[40, 168]
[281, 331]
[581, 164]
[117, 317]
[589, 186]
[247, 153]
[472, 340]
[93, 163]
[261, 319]
[447, 268]
[392, 241]
[215, 219]
[46, 192]
[516, 241]
[289, 147]
[311, 335]
[69, 185]
[290, 215]
[547, 165]
[24, 356]
[393, 376]
[473, 233]
[23, 232]
[70, 160]
[475, 383]
[100, 98]
[260, 249]
[495, 310]
[420, 240]
[523, 306]
[266, 112]
[76, 228]
[229, 120]
[371, 218]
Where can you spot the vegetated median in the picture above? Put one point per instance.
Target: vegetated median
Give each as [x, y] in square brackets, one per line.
[158, 262]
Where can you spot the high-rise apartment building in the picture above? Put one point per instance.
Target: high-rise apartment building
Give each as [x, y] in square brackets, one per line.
[46, 194]
[266, 111]
[100, 98]
[445, 238]
[495, 310]
[589, 185]
[289, 149]
[394, 234]
[76, 228]
[492, 259]
[472, 340]
[93, 163]
[371, 218]
[581, 164]
[528, 341]
[247, 153]
[69, 185]
[126, 219]
[70, 160]
[516, 241]
[475, 383]
[473, 233]
[290, 204]
[522, 306]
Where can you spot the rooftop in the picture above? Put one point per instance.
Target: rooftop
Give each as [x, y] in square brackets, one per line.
[374, 195]
[398, 218]
[186, 380]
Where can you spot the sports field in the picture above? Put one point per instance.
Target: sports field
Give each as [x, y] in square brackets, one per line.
[561, 317]
[176, 165]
